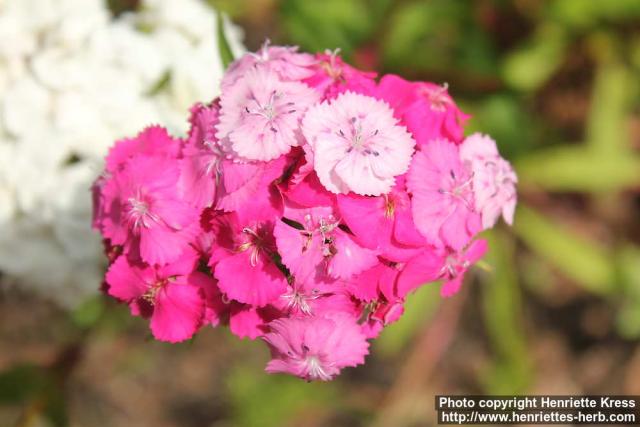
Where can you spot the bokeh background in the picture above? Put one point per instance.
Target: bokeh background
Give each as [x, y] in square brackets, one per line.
[556, 311]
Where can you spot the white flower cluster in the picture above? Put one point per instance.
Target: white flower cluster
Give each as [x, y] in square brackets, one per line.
[72, 80]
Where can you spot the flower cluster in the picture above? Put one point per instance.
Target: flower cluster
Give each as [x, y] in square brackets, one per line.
[73, 78]
[307, 202]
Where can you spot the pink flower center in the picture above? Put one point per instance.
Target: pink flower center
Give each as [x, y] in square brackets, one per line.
[138, 212]
[256, 243]
[153, 290]
[453, 266]
[271, 109]
[299, 300]
[314, 365]
[459, 188]
[357, 140]
[437, 97]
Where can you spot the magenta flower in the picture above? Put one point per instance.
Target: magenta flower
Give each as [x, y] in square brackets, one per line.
[357, 144]
[315, 348]
[425, 108]
[443, 200]
[249, 190]
[201, 157]
[152, 141]
[332, 76]
[243, 261]
[313, 245]
[396, 237]
[144, 210]
[315, 297]
[172, 296]
[260, 114]
[494, 181]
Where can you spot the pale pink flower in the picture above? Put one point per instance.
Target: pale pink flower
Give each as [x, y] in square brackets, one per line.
[443, 200]
[312, 244]
[494, 181]
[314, 347]
[285, 61]
[457, 263]
[260, 114]
[357, 144]
[173, 296]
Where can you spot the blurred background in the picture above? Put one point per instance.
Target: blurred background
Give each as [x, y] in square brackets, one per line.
[558, 311]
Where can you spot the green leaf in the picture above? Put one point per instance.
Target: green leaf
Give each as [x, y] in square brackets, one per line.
[21, 382]
[224, 49]
[628, 319]
[606, 127]
[502, 305]
[580, 259]
[576, 168]
[530, 67]
[581, 14]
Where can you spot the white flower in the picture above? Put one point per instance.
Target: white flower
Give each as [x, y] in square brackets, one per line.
[73, 79]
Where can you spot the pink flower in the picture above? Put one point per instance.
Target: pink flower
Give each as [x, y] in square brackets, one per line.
[260, 114]
[315, 348]
[246, 321]
[493, 179]
[144, 210]
[283, 60]
[457, 263]
[443, 199]
[312, 245]
[172, 296]
[202, 155]
[243, 261]
[439, 264]
[396, 237]
[357, 144]
[152, 141]
[426, 109]
[248, 189]
[332, 76]
[315, 297]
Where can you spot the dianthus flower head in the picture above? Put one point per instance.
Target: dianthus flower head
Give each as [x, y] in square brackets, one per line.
[357, 144]
[260, 114]
[314, 347]
[494, 181]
